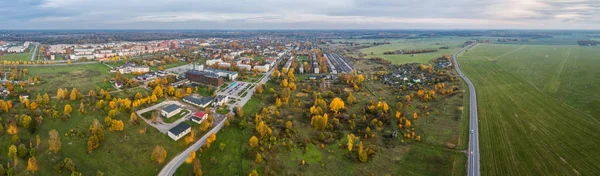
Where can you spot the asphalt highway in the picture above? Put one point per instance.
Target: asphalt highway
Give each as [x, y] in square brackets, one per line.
[473, 152]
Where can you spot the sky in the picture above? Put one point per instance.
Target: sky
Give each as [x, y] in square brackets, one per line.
[299, 14]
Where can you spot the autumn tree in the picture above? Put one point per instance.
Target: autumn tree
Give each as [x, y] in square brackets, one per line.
[319, 122]
[253, 142]
[134, 118]
[253, 173]
[68, 109]
[12, 151]
[33, 106]
[93, 143]
[258, 158]
[158, 91]
[351, 99]
[159, 154]
[362, 154]
[74, 94]
[350, 143]
[288, 125]
[191, 158]
[54, 143]
[117, 125]
[82, 108]
[32, 165]
[212, 138]
[197, 168]
[336, 104]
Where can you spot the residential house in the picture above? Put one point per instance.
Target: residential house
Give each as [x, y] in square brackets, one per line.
[170, 110]
[199, 116]
[179, 131]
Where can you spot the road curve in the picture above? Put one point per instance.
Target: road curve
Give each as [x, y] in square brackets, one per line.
[170, 168]
[473, 152]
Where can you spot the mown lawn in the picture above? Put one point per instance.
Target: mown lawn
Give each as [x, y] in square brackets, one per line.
[538, 108]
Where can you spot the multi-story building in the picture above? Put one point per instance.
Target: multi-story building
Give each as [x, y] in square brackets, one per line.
[206, 78]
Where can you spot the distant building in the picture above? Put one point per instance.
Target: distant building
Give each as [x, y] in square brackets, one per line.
[204, 78]
[179, 131]
[213, 61]
[244, 67]
[170, 110]
[132, 68]
[264, 68]
[180, 83]
[230, 75]
[200, 102]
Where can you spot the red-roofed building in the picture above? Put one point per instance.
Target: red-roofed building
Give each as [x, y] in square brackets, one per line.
[199, 116]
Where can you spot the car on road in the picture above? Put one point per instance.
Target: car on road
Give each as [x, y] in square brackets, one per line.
[471, 131]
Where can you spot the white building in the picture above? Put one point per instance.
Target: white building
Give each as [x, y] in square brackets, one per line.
[264, 68]
[132, 68]
[170, 110]
[179, 131]
[224, 64]
[245, 67]
[213, 61]
[17, 49]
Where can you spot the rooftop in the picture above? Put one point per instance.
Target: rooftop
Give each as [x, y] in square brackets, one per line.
[171, 108]
[199, 101]
[181, 127]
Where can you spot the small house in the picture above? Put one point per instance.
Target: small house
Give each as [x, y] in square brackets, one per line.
[199, 116]
[179, 131]
[170, 110]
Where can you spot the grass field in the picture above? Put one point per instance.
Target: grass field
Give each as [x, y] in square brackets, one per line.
[454, 44]
[17, 57]
[538, 108]
[83, 77]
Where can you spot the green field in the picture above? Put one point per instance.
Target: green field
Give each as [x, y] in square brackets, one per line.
[453, 43]
[16, 57]
[538, 107]
[83, 77]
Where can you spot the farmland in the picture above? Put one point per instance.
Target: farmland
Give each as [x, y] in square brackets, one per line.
[453, 45]
[538, 108]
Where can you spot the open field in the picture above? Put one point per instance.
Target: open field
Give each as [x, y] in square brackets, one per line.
[538, 108]
[25, 56]
[82, 77]
[453, 43]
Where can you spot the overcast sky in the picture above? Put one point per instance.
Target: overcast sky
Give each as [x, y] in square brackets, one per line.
[299, 14]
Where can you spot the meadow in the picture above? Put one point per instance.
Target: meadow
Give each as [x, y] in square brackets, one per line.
[83, 77]
[453, 44]
[538, 108]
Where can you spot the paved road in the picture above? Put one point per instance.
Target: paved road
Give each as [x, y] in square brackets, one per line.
[172, 166]
[34, 52]
[473, 152]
